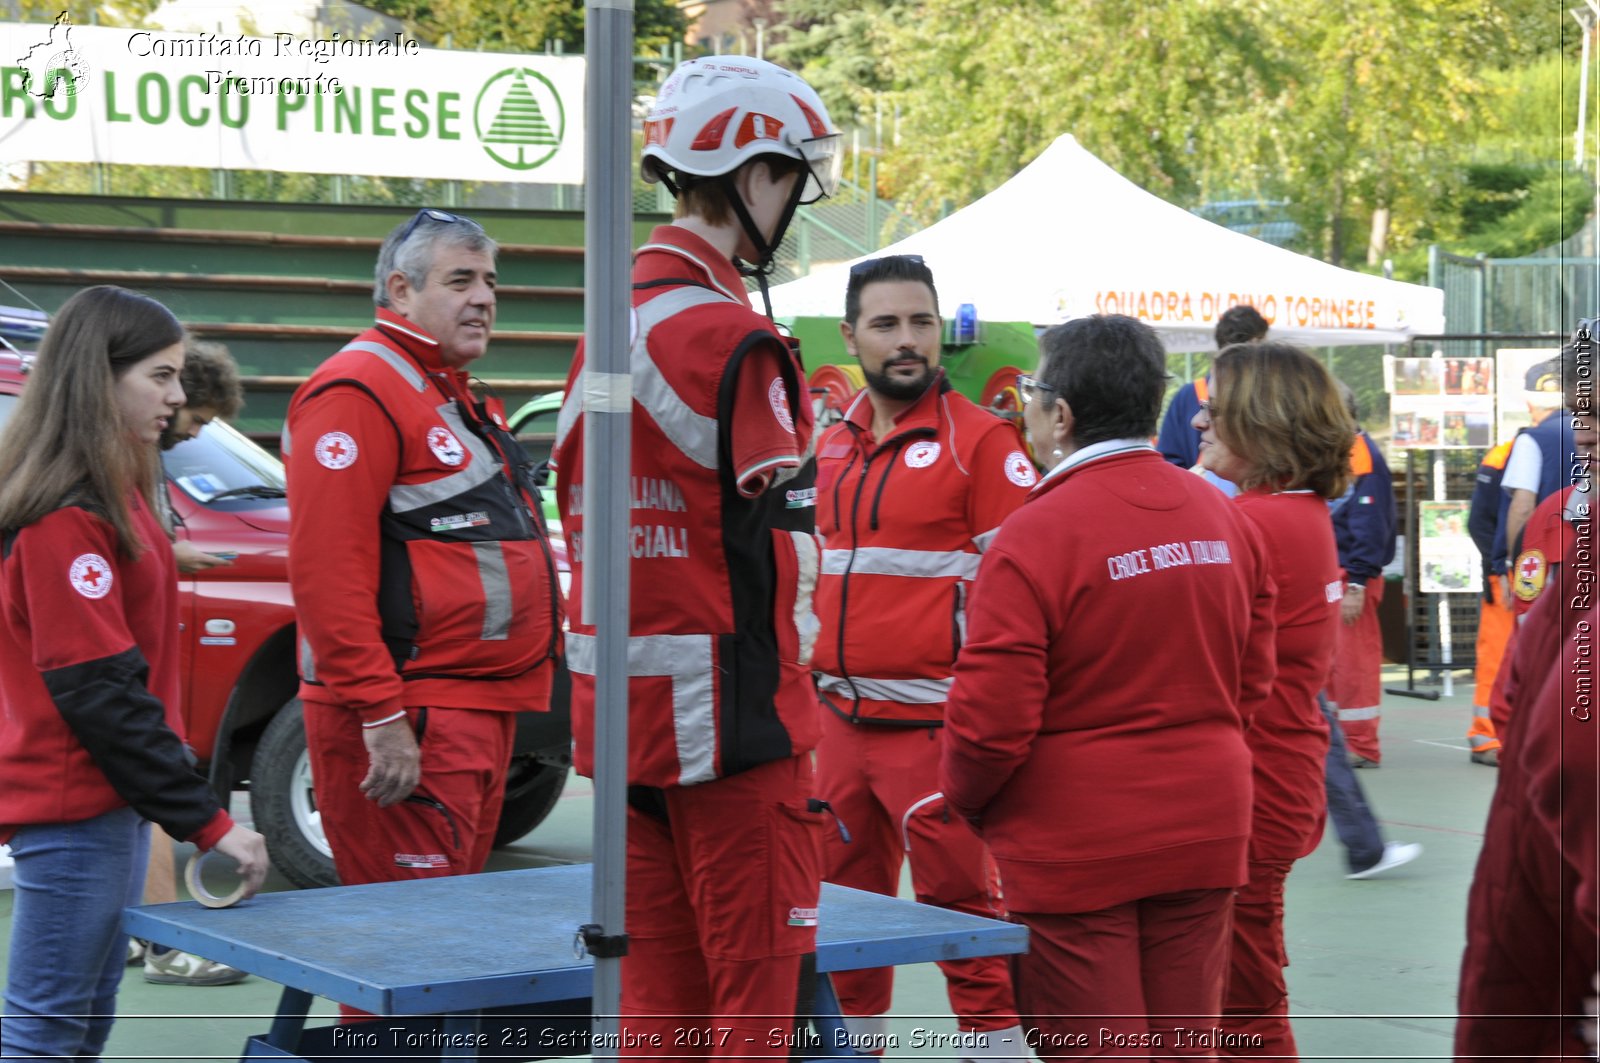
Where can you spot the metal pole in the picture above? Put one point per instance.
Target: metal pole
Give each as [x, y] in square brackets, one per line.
[607, 445]
[1585, 22]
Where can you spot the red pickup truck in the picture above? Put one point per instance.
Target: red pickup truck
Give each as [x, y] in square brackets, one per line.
[240, 710]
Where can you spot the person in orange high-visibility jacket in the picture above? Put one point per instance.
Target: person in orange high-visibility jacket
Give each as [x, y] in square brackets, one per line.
[1494, 611]
[911, 487]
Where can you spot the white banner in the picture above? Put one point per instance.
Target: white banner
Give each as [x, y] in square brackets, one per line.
[350, 105]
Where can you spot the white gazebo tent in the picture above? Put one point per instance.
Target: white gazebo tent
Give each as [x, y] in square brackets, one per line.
[1068, 236]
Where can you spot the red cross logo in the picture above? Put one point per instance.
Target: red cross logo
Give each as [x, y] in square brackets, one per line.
[90, 576]
[1529, 567]
[336, 450]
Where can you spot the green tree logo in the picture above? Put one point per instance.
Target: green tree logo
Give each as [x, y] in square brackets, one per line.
[519, 118]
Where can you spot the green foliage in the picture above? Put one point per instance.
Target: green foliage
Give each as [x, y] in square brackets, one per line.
[525, 25]
[1345, 108]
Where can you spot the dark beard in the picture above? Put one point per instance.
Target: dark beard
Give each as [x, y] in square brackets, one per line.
[169, 438]
[896, 388]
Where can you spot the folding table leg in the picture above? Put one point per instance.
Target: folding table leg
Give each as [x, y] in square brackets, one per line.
[293, 1007]
[460, 1034]
[826, 1016]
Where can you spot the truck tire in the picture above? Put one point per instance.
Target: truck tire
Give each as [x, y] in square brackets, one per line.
[285, 807]
[532, 790]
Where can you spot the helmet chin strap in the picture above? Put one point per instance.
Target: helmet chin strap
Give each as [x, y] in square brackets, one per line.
[762, 268]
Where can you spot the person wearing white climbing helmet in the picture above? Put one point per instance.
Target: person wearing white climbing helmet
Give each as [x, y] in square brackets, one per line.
[724, 826]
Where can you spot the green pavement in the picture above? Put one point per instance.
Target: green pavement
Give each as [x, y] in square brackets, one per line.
[1373, 963]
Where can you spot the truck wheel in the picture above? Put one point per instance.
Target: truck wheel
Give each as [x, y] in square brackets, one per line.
[284, 805]
[532, 790]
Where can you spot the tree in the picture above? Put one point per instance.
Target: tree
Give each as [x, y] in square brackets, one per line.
[526, 25]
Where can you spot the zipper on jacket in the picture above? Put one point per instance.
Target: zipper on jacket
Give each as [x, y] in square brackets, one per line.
[438, 806]
[838, 514]
[877, 498]
[844, 585]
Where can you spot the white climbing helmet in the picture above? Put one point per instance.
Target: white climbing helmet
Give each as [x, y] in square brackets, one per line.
[718, 112]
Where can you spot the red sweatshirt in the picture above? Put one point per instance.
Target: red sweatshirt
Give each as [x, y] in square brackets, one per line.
[1120, 619]
[1288, 738]
[89, 680]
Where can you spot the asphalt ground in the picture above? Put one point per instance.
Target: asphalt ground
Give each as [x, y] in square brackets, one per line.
[1374, 964]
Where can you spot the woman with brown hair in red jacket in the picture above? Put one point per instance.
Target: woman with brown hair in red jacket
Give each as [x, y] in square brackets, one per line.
[1277, 426]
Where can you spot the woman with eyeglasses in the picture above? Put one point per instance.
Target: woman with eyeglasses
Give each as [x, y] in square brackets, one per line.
[1107, 768]
[1277, 427]
[90, 740]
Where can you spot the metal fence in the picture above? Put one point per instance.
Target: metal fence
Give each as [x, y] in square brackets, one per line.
[1547, 291]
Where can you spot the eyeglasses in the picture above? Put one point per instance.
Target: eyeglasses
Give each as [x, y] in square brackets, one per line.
[873, 263]
[1028, 386]
[442, 216]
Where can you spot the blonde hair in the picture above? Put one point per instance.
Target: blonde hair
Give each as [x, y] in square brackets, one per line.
[1280, 411]
[67, 443]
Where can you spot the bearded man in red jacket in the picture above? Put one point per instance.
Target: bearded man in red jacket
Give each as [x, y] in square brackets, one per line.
[1107, 771]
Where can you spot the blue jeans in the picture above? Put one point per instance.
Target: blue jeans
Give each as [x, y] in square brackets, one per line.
[68, 951]
[1347, 804]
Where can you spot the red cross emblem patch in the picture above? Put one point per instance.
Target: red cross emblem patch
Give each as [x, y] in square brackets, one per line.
[445, 446]
[1529, 580]
[90, 575]
[336, 450]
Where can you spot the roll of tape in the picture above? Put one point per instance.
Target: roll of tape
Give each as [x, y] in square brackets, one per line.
[197, 889]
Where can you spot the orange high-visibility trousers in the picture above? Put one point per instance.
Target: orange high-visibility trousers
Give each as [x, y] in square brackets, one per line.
[1495, 624]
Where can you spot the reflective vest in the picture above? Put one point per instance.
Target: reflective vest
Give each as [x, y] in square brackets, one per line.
[721, 624]
[467, 581]
[900, 554]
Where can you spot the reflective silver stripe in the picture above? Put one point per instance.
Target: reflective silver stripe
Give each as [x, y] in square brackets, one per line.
[961, 614]
[905, 691]
[481, 468]
[806, 623]
[571, 407]
[888, 561]
[905, 820]
[1359, 714]
[283, 440]
[398, 362]
[982, 541]
[692, 433]
[496, 590]
[308, 661]
[687, 660]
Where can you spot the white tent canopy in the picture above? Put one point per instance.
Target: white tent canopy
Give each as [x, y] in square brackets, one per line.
[1068, 236]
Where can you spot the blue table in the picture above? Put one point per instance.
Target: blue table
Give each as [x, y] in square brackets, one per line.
[459, 948]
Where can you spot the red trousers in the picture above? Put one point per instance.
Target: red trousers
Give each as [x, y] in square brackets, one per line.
[1355, 686]
[447, 825]
[1256, 1007]
[1143, 975]
[883, 784]
[722, 905]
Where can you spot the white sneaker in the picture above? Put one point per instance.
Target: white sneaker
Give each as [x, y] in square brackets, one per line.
[173, 967]
[1394, 855]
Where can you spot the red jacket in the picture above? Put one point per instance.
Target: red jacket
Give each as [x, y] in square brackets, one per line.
[1288, 737]
[1533, 913]
[722, 532]
[421, 572]
[1120, 620]
[89, 680]
[904, 521]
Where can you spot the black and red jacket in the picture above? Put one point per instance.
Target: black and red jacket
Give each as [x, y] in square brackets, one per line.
[89, 679]
[421, 570]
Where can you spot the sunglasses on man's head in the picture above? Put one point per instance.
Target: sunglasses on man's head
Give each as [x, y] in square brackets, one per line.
[866, 267]
[442, 216]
